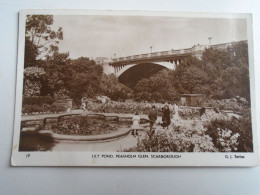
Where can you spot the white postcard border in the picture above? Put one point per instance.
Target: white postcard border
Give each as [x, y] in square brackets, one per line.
[87, 158]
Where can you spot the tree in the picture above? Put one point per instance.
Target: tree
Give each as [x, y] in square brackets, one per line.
[228, 71]
[157, 88]
[40, 34]
[58, 58]
[30, 53]
[193, 80]
[33, 79]
[111, 87]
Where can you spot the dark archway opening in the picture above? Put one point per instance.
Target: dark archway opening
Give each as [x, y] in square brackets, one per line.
[131, 76]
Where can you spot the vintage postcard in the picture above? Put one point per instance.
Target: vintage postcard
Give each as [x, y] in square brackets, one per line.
[134, 88]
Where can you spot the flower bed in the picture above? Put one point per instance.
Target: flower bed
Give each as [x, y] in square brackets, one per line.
[121, 107]
[233, 135]
[175, 139]
[82, 125]
[213, 135]
[235, 104]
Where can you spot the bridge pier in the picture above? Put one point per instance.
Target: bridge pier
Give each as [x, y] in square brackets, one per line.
[177, 62]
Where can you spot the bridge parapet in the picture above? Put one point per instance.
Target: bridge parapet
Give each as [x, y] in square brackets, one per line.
[155, 56]
[170, 55]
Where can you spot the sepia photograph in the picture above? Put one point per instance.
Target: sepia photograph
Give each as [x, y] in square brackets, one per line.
[134, 86]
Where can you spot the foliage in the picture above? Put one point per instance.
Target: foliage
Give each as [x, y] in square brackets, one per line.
[143, 96]
[43, 108]
[176, 139]
[235, 129]
[30, 53]
[220, 74]
[237, 104]
[228, 70]
[42, 38]
[82, 125]
[157, 88]
[111, 87]
[33, 79]
[39, 100]
[73, 79]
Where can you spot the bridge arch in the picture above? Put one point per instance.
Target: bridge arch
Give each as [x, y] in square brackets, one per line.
[120, 70]
[131, 74]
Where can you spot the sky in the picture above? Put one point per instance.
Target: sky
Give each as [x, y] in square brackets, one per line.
[104, 36]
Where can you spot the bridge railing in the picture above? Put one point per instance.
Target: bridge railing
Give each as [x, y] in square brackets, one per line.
[152, 55]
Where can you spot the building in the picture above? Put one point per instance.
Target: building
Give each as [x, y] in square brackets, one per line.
[192, 99]
[101, 60]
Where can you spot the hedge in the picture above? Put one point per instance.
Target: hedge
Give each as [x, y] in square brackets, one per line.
[37, 100]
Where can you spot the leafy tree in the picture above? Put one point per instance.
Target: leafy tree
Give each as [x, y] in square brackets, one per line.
[156, 88]
[40, 34]
[192, 80]
[33, 79]
[58, 58]
[143, 96]
[111, 87]
[228, 71]
[143, 85]
[30, 53]
[73, 79]
[220, 73]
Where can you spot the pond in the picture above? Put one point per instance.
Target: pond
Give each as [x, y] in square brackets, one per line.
[76, 132]
[91, 124]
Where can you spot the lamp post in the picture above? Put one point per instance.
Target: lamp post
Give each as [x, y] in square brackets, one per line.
[210, 41]
[151, 49]
[114, 55]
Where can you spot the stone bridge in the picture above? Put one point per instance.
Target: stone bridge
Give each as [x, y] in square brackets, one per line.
[168, 59]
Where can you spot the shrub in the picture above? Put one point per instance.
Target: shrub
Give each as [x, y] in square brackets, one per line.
[235, 134]
[176, 139]
[37, 100]
[55, 107]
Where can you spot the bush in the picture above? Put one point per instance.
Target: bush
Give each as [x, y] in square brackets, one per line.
[55, 107]
[143, 96]
[176, 139]
[235, 134]
[235, 104]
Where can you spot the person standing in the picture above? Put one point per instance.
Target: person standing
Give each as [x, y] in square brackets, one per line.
[136, 124]
[166, 116]
[176, 111]
[152, 117]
